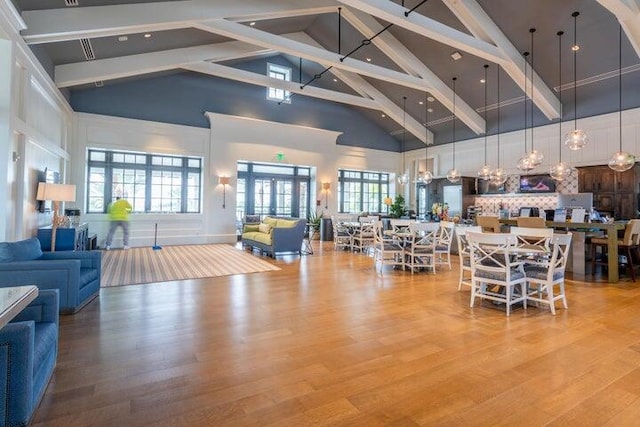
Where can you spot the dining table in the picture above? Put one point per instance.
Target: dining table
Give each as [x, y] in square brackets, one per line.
[610, 228]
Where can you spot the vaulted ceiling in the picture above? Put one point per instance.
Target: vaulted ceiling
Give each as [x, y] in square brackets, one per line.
[368, 54]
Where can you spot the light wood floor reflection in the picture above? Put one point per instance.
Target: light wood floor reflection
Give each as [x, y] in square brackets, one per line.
[328, 341]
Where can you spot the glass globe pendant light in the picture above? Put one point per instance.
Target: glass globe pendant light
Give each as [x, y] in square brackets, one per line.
[621, 161]
[404, 177]
[453, 175]
[561, 170]
[426, 177]
[535, 157]
[485, 171]
[524, 163]
[498, 176]
[577, 138]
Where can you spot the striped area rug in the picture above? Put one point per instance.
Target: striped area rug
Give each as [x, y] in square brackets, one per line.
[144, 265]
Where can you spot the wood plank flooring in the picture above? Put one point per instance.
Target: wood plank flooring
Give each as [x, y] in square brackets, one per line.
[328, 341]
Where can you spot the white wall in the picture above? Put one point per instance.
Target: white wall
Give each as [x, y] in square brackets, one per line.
[34, 130]
[229, 140]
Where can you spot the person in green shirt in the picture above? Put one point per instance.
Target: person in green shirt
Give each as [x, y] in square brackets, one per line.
[119, 217]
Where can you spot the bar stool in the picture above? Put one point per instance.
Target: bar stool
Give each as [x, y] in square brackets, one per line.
[627, 245]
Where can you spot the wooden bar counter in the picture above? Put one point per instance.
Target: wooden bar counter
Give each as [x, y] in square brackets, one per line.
[612, 235]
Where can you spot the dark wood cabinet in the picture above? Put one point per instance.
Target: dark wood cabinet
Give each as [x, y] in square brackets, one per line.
[614, 193]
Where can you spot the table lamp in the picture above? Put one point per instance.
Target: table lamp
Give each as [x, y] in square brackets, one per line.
[56, 193]
[388, 201]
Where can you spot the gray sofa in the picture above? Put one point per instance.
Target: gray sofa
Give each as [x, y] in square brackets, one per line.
[275, 235]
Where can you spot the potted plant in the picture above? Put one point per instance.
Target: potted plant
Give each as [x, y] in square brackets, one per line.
[397, 209]
[314, 220]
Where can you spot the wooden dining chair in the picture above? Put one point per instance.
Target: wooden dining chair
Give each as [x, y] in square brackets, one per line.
[531, 222]
[489, 224]
[627, 246]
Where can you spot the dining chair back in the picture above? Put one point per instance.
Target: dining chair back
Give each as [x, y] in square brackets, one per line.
[628, 246]
[548, 273]
[420, 250]
[489, 224]
[497, 273]
[342, 235]
[443, 244]
[532, 238]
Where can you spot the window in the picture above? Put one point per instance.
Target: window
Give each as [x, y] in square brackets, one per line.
[281, 73]
[150, 182]
[362, 191]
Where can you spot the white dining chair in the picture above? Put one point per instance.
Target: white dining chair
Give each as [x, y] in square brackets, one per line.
[463, 253]
[420, 248]
[385, 252]
[443, 244]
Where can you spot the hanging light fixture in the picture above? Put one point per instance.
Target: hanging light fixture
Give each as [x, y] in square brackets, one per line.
[535, 156]
[498, 176]
[561, 170]
[426, 177]
[453, 175]
[577, 138]
[621, 161]
[404, 177]
[524, 163]
[484, 172]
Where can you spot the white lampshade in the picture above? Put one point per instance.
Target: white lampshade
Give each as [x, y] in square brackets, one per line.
[56, 192]
[622, 161]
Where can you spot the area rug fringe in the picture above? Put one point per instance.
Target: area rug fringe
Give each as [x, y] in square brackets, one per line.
[144, 265]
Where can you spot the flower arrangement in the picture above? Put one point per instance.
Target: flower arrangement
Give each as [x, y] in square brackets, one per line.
[441, 210]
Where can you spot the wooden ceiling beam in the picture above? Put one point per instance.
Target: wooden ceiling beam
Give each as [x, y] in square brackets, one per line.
[628, 14]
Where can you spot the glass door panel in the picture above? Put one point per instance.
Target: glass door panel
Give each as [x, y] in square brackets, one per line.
[262, 197]
[283, 199]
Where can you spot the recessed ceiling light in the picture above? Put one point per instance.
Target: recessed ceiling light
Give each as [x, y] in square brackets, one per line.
[431, 99]
[383, 115]
[123, 38]
[147, 35]
[483, 81]
[252, 23]
[335, 80]
[456, 55]
[368, 59]
[430, 110]
[420, 102]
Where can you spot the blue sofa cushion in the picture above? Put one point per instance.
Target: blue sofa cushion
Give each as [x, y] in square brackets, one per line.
[24, 250]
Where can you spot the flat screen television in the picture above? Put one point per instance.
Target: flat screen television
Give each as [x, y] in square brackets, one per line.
[484, 186]
[537, 184]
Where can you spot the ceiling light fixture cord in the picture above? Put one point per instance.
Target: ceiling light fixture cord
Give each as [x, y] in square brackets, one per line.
[526, 56]
[498, 84]
[620, 84]
[560, 33]
[486, 83]
[426, 131]
[404, 127]
[531, 30]
[454, 122]
[406, 14]
[575, 73]
[339, 31]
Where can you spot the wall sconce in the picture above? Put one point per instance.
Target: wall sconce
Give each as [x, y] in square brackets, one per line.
[224, 180]
[325, 187]
[56, 193]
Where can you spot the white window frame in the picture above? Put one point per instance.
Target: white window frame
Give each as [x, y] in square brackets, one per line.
[279, 72]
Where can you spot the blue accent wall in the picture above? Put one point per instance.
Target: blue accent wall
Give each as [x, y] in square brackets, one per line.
[182, 98]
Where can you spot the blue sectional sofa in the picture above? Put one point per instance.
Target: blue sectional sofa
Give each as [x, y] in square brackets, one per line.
[275, 235]
[28, 352]
[75, 274]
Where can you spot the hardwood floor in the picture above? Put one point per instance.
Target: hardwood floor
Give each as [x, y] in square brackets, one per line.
[327, 341]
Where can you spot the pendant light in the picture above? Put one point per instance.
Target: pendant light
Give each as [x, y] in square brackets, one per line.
[453, 175]
[524, 164]
[427, 176]
[404, 177]
[498, 175]
[621, 161]
[577, 138]
[535, 157]
[484, 172]
[561, 170]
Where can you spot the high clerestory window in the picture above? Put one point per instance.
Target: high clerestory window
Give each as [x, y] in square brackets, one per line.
[281, 73]
[361, 191]
[150, 182]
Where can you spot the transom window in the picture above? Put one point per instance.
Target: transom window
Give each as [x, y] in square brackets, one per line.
[360, 191]
[281, 73]
[150, 182]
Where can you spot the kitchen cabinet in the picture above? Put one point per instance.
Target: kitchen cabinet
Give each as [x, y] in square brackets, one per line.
[614, 193]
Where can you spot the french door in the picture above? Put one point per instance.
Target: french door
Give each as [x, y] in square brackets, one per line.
[273, 196]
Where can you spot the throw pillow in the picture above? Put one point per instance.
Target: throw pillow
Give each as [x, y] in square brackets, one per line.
[264, 228]
[24, 250]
